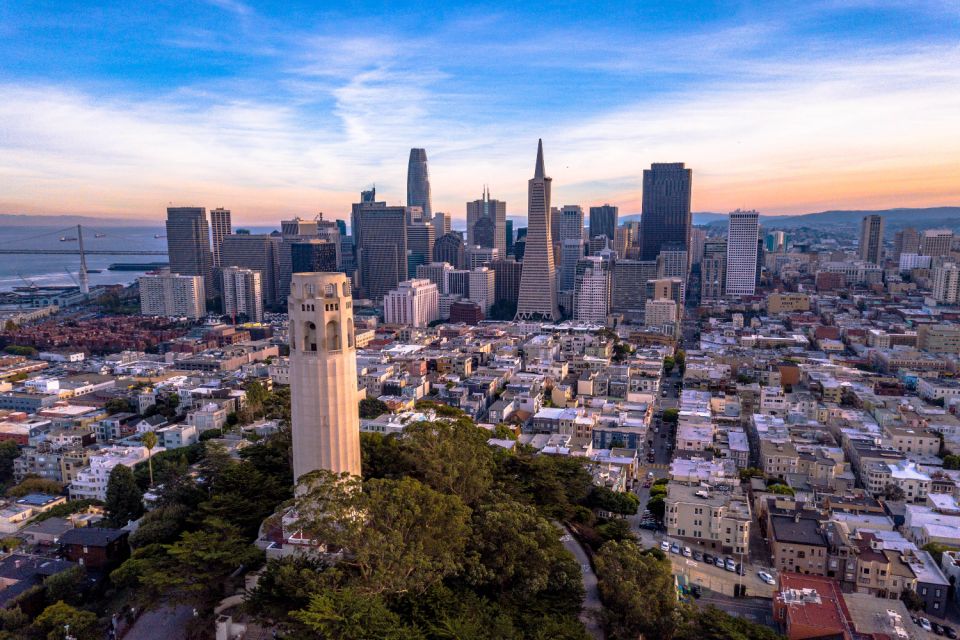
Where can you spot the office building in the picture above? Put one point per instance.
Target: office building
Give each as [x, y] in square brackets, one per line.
[487, 223]
[188, 244]
[220, 227]
[242, 294]
[742, 253]
[441, 224]
[777, 242]
[666, 289]
[599, 245]
[449, 248]
[458, 283]
[258, 252]
[661, 315]
[871, 239]
[630, 286]
[435, 272]
[666, 214]
[507, 274]
[622, 240]
[538, 285]
[414, 303]
[483, 289]
[330, 230]
[570, 254]
[380, 241]
[566, 223]
[673, 262]
[478, 256]
[324, 400]
[603, 222]
[420, 241]
[171, 294]
[509, 233]
[906, 241]
[698, 236]
[313, 255]
[934, 242]
[713, 269]
[591, 301]
[418, 183]
[946, 284]
[291, 231]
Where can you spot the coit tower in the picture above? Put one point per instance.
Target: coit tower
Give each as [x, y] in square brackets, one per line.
[325, 418]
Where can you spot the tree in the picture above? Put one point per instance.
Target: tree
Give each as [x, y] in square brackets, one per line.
[243, 497]
[21, 350]
[657, 506]
[451, 456]
[124, 498]
[150, 441]
[34, 484]
[681, 360]
[118, 405]
[911, 599]
[162, 525]
[751, 472]
[936, 550]
[349, 614]
[616, 530]
[411, 536]
[371, 408]
[619, 502]
[781, 489]
[951, 462]
[56, 619]
[671, 415]
[67, 586]
[9, 451]
[637, 591]
[713, 624]
[668, 364]
[256, 397]
[893, 493]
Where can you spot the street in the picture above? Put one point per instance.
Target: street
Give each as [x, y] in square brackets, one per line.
[592, 607]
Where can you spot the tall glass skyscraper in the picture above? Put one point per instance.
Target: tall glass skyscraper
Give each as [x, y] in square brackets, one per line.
[188, 244]
[418, 183]
[666, 215]
[603, 221]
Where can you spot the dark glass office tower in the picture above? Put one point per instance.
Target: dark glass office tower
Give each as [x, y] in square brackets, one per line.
[666, 208]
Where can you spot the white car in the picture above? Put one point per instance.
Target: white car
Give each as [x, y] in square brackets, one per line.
[664, 546]
[674, 548]
[730, 565]
[925, 624]
[766, 577]
[687, 552]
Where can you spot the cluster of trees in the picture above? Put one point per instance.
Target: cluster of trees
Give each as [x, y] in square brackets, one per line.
[445, 537]
[658, 495]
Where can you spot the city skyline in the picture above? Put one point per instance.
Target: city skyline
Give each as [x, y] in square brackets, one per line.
[274, 111]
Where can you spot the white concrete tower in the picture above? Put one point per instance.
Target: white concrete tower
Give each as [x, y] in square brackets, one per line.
[323, 375]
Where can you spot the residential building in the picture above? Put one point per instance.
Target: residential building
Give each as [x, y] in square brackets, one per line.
[936, 242]
[170, 294]
[714, 519]
[242, 293]
[220, 227]
[482, 288]
[592, 290]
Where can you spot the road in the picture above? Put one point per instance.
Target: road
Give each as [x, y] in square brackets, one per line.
[592, 607]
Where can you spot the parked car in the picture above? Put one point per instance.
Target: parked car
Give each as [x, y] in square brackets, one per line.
[698, 556]
[696, 590]
[937, 629]
[741, 570]
[925, 624]
[730, 565]
[665, 546]
[719, 562]
[766, 577]
[687, 553]
[708, 558]
[949, 631]
[675, 548]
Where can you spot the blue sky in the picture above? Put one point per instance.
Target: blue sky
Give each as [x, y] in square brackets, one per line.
[282, 108]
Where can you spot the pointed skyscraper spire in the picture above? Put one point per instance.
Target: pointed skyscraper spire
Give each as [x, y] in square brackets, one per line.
[539, 171]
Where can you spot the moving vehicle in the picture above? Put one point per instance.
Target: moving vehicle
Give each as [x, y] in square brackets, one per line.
[766, 577]
[730, 565]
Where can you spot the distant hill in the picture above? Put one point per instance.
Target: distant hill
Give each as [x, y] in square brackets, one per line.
[926, 218]
[58, 221]
[699, 218]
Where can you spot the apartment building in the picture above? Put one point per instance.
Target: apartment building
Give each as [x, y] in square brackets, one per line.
[715, 520]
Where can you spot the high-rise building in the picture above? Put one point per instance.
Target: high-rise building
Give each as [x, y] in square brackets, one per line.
[666, 216]
[713, 269]
[570, 254]
[313, 255]
[946, 283]
[418, 183]
[414, 303]
[458, 282]
[220, 227]
[329, 230]
[933, 242]
[188, 244]
[435, 272]
[776, 242]
[622, 240]
[599, 245]
[441, 224]
[420, 241]
[698, 236]
[538, 286]
[666, 289]
[507, 275]
[603, 221]
[672, 261]
[660, 313]
[380, 240]
[492, 216]
[449, 248]
[483, 287]
[478, 256]
[259, 252]
[871, 239]
[291, 231]
[171, 294]
[906, 241]
[591, 301]
[509, 233]
[566, 223]
[630, 286]
[341, 227]
[242, 293]
[324, 400]
[742, 253]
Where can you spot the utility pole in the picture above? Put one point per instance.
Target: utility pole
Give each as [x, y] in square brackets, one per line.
[84, 279]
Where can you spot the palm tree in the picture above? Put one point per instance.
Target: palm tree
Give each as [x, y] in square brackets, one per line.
[150, 441]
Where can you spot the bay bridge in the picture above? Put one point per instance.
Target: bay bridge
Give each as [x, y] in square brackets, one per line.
[14, 247]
